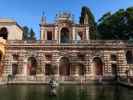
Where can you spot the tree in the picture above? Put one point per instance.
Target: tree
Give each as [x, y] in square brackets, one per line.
[28, 34]
[88, 18]
[32, 35]
[25, 33]
[116, 26]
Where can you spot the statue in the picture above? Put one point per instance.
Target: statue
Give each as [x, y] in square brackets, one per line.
[53, 87]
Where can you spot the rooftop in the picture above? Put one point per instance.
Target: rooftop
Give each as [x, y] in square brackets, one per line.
[7, 20]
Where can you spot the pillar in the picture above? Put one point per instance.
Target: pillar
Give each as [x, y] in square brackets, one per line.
[45, 34]
[25, 71]
[42, 34]
[87, 33]
[59, 37]
[74, 70]
[73, 33]
[56, 33]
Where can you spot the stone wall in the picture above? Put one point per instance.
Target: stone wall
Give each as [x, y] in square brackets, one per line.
[77, 55]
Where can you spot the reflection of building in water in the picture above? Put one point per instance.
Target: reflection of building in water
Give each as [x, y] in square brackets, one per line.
[64, 51]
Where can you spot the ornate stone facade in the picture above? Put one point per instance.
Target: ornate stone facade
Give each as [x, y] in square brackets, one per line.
[66, 53]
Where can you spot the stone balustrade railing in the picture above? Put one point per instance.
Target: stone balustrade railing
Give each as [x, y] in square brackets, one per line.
[73, 42]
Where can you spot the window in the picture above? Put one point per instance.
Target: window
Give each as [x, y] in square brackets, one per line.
[81, 56]
[49, 35]
[4, 33]
[48, 56]
[15, 57]
[113, 57]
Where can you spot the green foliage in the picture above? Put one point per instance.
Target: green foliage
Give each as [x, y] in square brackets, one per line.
[117, 26]
[28, 34]
[25, 32]
[32, 35]
[91, 21]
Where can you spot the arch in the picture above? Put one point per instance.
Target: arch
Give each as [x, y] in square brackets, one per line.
[14, 69]
[98, 66]
[4, 33]
[129, 57]
[32, 66]
[64, 66]
[64, 35]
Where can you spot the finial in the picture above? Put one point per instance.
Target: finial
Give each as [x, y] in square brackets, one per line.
[43, 13]
[73, 18]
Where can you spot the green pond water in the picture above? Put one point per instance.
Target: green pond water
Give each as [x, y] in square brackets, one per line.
[66, 92]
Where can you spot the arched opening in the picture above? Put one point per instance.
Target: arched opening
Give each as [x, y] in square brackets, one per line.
[32, 66]
[4, 33]
[79, 36]
[82, 70]
[64, 68]
[98, 66]
[129, 57]
[14, 69]
[64, 35]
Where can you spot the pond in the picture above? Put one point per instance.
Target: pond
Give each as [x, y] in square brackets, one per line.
[66, 92]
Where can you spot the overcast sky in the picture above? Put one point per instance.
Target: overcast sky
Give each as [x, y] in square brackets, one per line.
[29, 12]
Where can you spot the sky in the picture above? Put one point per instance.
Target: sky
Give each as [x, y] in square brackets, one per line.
[29, 12]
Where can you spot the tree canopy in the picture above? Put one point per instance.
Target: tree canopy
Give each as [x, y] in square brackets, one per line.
[28, 34]
[116, 26]
[88, 18]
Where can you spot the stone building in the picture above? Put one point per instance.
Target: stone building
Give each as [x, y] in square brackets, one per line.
[64, 52]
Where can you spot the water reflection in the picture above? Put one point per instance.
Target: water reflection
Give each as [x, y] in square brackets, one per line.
[66, 92]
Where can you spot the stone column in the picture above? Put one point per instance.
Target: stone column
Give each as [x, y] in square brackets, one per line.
[45, 34]
[73, 33]
[25, 71]
[42, 34]
[87, 33]
[59, 36]
[56, 33]
[74, 70]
